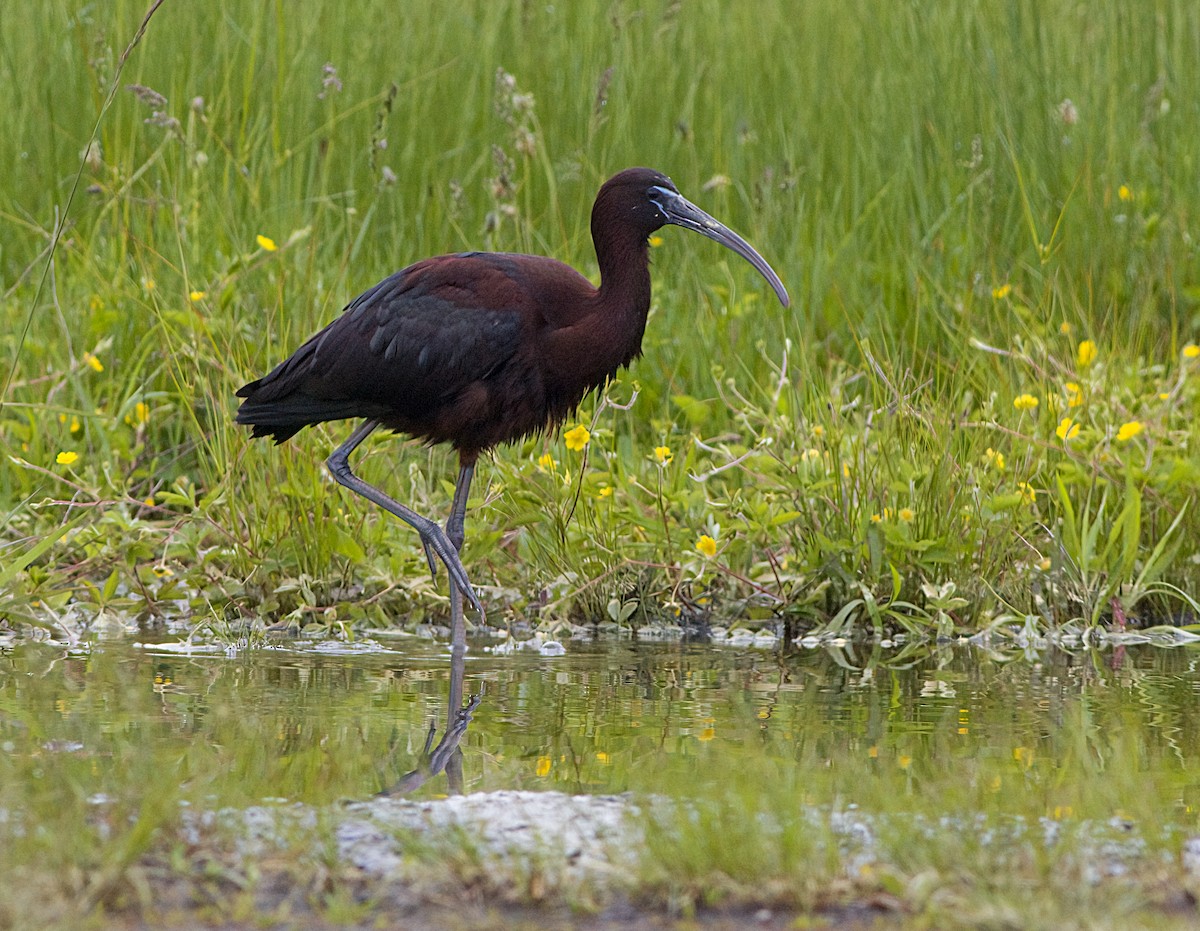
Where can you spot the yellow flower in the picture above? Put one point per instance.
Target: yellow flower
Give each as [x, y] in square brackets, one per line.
[818, 430]
[994, 458]
[907, 515]
[1025, 402]
[1074, 394]
[663, 454]
[93, 363]
[1066, 429]
[876, 519]
[605, 492]
[577, 437]
[810, 455]
[1027, 492]
[1129, 430]
[266, 243]
[149, 284]
[1002, 292]
[655, 241]
[542, 767]
[195, 296]
[1124, 193]
[602, 757]
[1191, 351]
[1064, 328]
[707, 734]
[546, 462]
[1023, 755]
[904, 760]
[1086, 354]
[67, 457]
[707, 546]
[139, 415]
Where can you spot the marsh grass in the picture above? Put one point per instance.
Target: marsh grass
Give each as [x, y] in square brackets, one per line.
[960, 199]
[1066, 832]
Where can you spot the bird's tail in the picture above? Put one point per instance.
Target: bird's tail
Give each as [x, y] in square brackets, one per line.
[282, 418]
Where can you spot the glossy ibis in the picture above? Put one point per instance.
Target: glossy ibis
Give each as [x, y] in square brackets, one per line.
[481, 348]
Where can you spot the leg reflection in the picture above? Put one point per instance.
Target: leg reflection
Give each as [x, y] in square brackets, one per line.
[446, 755]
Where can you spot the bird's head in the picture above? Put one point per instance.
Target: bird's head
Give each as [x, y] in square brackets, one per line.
[650, 200]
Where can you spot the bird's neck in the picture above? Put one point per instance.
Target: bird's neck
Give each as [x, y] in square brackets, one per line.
[624, 259]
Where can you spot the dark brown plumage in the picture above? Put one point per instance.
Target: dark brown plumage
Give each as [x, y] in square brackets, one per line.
[480, 348]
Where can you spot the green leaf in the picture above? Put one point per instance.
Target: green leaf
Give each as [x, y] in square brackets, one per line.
[10, 570]
[110, 586]
[346, 545]
[696, 411]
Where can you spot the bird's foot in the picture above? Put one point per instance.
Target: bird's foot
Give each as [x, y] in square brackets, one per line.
[431, 558]
[437, 543]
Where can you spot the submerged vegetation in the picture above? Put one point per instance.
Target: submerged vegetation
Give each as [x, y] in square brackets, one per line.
[981, 408]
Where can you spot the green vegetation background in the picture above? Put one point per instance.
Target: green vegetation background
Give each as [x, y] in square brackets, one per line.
[982, 405]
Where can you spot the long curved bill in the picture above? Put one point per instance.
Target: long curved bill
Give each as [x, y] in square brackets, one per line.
[682, 212]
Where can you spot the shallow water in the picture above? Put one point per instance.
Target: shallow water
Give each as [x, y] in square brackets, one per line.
[314, 724]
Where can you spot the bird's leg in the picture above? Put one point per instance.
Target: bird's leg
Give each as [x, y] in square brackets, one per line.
[455, 526]
[456, 532]
[432, 536]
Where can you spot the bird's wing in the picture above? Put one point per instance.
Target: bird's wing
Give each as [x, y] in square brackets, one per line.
[412, 342]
